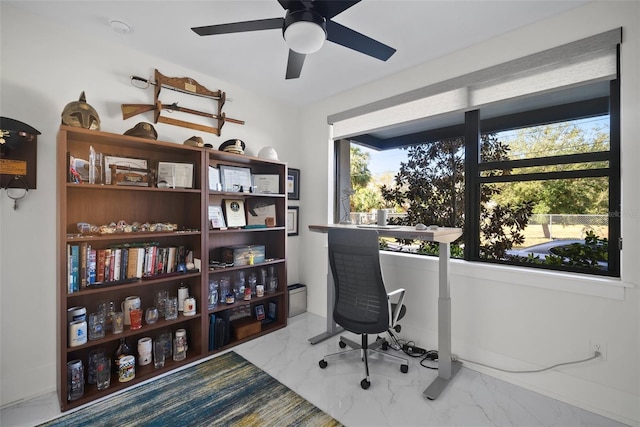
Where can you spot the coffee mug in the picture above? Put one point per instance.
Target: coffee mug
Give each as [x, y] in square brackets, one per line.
[126, 369]
[189, 306]
[127, 305]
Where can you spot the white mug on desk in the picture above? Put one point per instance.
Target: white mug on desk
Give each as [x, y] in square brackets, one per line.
[382, 217]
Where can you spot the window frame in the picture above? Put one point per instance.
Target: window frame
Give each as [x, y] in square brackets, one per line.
[471, 130]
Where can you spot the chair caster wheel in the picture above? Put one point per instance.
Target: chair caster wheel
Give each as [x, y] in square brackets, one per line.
[385, 346]
[403, 368]
[365, 384]
[322, 363]
[341, 344]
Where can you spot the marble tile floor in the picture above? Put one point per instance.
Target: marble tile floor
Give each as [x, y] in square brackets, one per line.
[394, 398]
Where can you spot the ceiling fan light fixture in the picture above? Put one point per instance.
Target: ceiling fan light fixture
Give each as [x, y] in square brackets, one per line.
[304, 31]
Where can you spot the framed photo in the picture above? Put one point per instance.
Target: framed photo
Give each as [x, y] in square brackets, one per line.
[214, 179]
[266, 183]
[259, 309]
[292, 221]
[259, 209]
[114, 165]
[216, 217]
[175, 175]
[234, 213]
[293, 184]
[235, 179]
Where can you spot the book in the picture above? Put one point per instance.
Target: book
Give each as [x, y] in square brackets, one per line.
[116, 261]
[132, 264]
[171, 259]
[75, 268]
[83, 264]
[100, 264]
[107, 265]
[124, 263]
[91, 266]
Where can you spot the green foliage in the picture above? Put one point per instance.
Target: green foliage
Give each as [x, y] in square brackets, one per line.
[430, 186]
[587, 255]
[579, 255]
[360, 173]
[566, 196]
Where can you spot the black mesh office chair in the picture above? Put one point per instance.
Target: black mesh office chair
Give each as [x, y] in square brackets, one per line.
[362, 305]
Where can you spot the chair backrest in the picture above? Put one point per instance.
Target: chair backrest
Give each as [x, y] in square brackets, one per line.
[361, 304]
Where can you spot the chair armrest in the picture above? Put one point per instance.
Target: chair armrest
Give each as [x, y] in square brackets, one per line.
[393, 316]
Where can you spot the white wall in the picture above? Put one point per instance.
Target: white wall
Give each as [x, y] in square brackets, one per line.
[512, 318]
[44, 67]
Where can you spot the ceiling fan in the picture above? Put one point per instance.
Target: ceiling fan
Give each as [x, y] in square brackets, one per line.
[305, 27]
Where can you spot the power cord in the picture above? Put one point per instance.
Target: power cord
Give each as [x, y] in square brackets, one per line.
[595, 356]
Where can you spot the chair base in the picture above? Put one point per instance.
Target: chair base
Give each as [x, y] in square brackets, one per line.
[364, 351]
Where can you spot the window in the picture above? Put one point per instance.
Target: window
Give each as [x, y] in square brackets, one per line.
[543, 191]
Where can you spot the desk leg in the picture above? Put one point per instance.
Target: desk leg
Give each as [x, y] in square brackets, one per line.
[332, 327]
[446, 368]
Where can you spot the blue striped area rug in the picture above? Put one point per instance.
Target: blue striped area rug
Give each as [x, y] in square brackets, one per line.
[224, 391]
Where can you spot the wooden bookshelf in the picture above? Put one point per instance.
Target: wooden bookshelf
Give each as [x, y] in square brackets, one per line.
[187, 209]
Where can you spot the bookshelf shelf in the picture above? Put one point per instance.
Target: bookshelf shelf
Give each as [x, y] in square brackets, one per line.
[187, 208]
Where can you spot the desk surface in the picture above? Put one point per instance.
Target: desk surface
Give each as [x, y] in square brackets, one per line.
[441, 235]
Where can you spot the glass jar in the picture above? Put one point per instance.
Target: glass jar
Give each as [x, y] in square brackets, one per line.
[213, 293]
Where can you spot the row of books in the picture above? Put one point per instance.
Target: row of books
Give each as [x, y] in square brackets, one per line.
[88, 266]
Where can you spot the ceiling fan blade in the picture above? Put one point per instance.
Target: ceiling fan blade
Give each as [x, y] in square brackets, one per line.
[239, 27]
[293, 4]
[294, 64]
[331, 8]
[347, 37]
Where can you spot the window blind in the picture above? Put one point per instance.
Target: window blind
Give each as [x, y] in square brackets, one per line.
[580, 62]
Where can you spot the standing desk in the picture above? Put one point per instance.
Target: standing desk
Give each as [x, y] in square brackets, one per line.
[447, 369]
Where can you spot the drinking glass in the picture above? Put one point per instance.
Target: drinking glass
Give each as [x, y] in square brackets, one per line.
[136, 318]
[161, 301]
[75, 379]
[158, 354]
[151, 315]
[103, 373]
[96, 326]
[94, 355]
[171, 308]
[118, 322]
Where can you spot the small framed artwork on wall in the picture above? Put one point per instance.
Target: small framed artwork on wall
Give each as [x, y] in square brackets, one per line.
[293, 184]
[292, 220]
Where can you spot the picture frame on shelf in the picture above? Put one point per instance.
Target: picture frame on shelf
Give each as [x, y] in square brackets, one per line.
[235, 179]
[293, 184]
[214, 179]
[266, 183]
[123, 165]
[259, 310]
[175, 175]
[216, 217]
[234, 213]
[259, 209]
[292, 220]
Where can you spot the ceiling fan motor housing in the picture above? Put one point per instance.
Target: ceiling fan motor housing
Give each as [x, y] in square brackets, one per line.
[304, 30]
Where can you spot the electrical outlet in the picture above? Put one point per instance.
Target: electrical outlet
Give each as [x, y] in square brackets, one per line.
[600, 347]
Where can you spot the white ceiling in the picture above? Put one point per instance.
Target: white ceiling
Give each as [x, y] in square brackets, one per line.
[420, 30]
